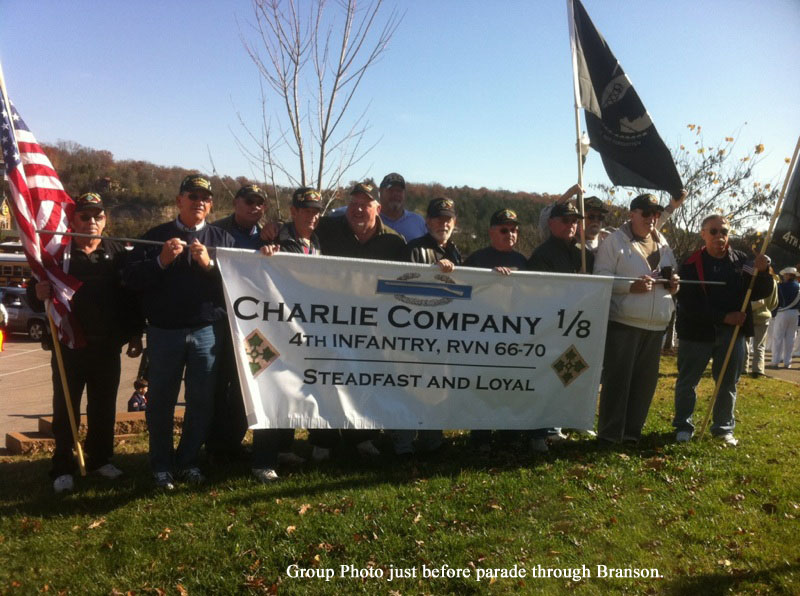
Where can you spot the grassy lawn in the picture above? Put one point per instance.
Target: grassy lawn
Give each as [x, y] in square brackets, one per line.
[710, 519]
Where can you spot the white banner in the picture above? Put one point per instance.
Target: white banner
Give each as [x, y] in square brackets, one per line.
[326, 342]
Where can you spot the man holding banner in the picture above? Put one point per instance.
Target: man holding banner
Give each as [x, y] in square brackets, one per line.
[361, 234]
[185, 309]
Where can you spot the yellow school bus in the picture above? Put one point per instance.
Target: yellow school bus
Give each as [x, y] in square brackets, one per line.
[14, 269]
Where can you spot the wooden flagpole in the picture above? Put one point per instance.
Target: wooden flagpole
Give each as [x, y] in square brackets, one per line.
[67, 398]
[746, 301]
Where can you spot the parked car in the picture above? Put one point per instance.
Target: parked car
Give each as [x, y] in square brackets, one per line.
[21, 317]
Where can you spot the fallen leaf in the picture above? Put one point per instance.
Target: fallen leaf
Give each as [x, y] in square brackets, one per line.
[164, 535]
[97, 523]
[417, 518]
[290, 529]
[303, 508]
[181, 590]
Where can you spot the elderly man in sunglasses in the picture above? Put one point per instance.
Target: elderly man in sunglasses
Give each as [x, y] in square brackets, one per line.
[182, 297]
[109, 316]
[707, 317]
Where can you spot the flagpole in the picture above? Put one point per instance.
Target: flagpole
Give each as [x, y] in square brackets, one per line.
[99, 237]
[576, 91]
[53, 330]
[747, 295]
[65, 386]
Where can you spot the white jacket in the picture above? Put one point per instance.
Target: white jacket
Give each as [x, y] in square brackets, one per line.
[620, 256]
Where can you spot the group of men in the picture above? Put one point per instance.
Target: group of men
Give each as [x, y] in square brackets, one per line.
[173, 284]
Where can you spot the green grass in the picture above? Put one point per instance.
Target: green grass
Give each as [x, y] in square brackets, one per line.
[712, 520]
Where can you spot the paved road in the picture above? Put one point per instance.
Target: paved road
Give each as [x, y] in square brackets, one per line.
[26, 390]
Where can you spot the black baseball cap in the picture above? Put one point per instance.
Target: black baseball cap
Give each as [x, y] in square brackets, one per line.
[306, 196]
[646, 201]
[249, 190]
[195, 182]
[365, 188]
[564, 209]
[89, 200]
[393, 179]
[441, 206]
[503, 216]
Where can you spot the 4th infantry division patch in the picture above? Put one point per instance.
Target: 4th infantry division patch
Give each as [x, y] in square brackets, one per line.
[570, 365]
[260, 353]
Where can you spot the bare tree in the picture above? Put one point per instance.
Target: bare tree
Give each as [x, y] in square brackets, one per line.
[312, 57]
[716, 182]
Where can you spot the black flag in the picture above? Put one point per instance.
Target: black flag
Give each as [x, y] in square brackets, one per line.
[787, 229]
[619, 127]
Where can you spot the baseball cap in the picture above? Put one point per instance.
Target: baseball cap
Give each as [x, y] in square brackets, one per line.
[564, 209]
[194, 182]
[441, 206]
[393, 179]
[89, 200]
[365, 188]
[307, 197]
[646, 201]
[503, 216]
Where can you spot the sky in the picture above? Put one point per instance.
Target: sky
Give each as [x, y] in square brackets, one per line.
[469, 92]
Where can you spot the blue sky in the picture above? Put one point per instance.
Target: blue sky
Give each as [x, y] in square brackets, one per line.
[470, 92]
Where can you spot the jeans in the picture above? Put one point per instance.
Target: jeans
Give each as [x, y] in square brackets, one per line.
[172, 350]
[693, 356]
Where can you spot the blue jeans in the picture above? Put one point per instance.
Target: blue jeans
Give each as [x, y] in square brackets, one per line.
[170, 351]
[693, 356]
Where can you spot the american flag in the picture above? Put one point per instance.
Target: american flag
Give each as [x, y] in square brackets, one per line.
[39, 201]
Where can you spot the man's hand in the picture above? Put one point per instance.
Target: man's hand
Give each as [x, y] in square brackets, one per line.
[269, 231]
[446, 265]
[44, 290]
[503, 270]
[762, 262]
[170, 251]
[735, 319]
[269, 249]
[674, 284]
[134, 346]
[200, 254]
[642, 285]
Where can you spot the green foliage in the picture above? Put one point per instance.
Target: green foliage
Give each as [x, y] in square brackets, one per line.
[711, 519]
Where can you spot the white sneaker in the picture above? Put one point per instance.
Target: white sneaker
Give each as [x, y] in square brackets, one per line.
[539, 445]
[557, 437]
[368, 449]
[290, 459]
[683, 436]
[64, 484]
[109, 471]
[728, 439]
[587, 433]
[320, 453]
[265, 475]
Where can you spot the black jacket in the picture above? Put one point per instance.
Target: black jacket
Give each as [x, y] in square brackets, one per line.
[701, 307]
[556, 256]
[427, 250]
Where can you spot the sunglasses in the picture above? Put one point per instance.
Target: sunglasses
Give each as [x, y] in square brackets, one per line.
[200, 197]
[508, 230]
[720, 231]
[87, 217]
[596, 217]
[254, 201]
[650, 212]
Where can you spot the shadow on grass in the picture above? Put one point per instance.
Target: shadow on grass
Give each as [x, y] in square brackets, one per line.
[27, 487]
[714, 584]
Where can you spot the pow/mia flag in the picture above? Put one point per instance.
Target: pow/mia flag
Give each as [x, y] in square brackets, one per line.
[787, 229]
[619, 127]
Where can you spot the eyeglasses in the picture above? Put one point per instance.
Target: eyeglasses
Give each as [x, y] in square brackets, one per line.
[254, 201]
[87, 217]
[720, 231]
[204, 198]
[508, 230]
[596, 217]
